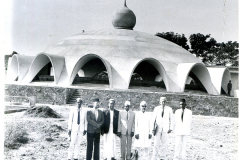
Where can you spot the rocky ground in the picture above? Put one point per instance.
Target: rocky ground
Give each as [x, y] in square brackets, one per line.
[213, 138]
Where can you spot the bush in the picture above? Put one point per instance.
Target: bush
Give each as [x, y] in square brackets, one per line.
[15, 135]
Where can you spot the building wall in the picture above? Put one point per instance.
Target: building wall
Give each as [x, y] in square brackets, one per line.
[199, 104]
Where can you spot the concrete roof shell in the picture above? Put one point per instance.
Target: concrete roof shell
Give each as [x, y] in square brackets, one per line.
[40, 61]
[123, 49]
[200, 71]
[18, 67]
[220, 78]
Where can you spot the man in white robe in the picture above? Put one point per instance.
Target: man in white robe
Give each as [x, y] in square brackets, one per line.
[110, 131]
[183, 120]
[77, 128]
[142, 132]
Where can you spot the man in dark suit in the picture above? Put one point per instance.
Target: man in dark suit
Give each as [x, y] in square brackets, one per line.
[110, 130]
[95, 119]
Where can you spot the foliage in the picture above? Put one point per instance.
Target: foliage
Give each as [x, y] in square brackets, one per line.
[227, 53]
[181, 40]
[206, 48]
[213, 53]
[15, 136]
[201, 44]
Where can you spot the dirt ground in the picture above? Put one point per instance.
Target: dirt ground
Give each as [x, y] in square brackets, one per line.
[212, 138]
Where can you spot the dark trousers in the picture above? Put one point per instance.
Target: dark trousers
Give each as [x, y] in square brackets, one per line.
[229, 92]
[93, 139]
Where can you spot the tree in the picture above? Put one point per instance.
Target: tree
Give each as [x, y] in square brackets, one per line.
[227, 53]
[213, 53]
[180, 40]
[202, 45]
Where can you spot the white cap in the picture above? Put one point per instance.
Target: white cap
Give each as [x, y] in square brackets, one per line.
[79, 99]
[143, 103]
[163, 98]
[110, 100]
[127, 103]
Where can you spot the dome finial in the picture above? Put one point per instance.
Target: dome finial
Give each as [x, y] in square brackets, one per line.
[124, 18]
[125, 3]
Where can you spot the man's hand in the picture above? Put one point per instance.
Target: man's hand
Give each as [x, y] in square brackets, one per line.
[169, 131]
[69, 133]
[149, 136]
[102, 132]
[137, 136]
[153, 132]
[98, 126]
[132, 134]
[119, 134]
[84, 132]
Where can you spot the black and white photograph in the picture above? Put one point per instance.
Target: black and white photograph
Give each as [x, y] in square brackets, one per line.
[120, 80]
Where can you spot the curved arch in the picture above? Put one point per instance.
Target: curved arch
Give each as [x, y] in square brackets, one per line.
[18, 67]
[83, 60]
[157, 65]
[40, 61]
[13, 70]
[200, 71]
[220, 77]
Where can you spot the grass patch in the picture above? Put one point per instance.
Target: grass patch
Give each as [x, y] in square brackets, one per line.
[15, 135]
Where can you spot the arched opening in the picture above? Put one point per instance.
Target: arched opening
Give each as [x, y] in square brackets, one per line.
[147, 74]
[13, 71]
[45, 74]
[225, 80]
[195, 83]
[90, 69]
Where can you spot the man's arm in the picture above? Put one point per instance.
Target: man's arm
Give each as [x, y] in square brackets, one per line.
[70, 120]
[85, 120]
[133, 125]
[102, 119]
[170, 119]
[119, 122]
[153, 119]
[89, 120]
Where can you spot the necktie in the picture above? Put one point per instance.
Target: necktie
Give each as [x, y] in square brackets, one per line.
[162, 111]
[182, 115]
[78, 120]
[127, 115]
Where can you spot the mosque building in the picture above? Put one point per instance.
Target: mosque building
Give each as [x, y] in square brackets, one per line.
[119, 57]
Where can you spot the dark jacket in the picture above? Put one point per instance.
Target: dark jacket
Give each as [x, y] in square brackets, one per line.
[105, 127]
[93, 124]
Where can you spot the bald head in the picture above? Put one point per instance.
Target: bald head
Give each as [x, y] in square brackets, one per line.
[143, 106]
[111, 104]
[79, 102]
[127, 105]
[163, 101]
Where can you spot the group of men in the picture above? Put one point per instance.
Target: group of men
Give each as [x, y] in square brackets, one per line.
[126, 124]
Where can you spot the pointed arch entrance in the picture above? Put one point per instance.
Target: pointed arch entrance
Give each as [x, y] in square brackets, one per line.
[93, 70]
[200, 75]
[149, 72]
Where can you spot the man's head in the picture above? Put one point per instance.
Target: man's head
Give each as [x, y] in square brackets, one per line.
[143, 106]
[230, 81]
[127, 105]
[79, 102]
[182, 103]
[96, 103]
[111, 104]
[163, 101]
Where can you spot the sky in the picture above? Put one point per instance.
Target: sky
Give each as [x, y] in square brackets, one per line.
[32, 25]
